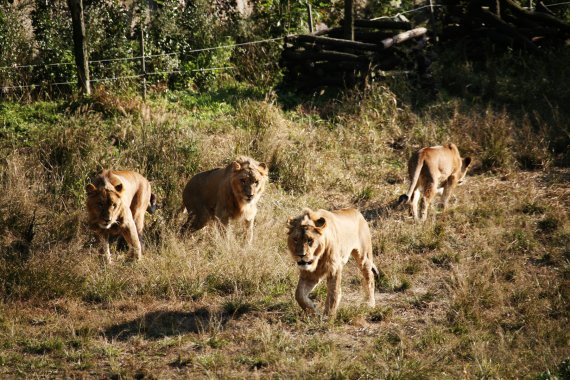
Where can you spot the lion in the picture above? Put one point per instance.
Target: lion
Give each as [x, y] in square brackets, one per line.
[321, 243]
[225, 194]
[116, 203]
[436, 169]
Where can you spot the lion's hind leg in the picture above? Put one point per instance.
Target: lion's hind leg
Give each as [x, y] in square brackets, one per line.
[430, 191]
[197, 219]
[414, 202]
[448, 187]
[369, 270]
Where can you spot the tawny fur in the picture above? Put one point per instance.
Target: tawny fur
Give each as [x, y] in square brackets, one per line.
[225, 194]
[434, 170]
[116, 203]
[321, 243]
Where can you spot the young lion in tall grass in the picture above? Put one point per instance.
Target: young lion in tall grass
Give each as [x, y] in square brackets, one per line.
[431, 169]
[321, 243]
[225, 194]
[116, 203]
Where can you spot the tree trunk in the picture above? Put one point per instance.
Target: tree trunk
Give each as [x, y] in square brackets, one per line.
[79, 47]
[348, 20]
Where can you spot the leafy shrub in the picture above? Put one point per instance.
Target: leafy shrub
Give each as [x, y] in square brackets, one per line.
[181, 29]
[52, 30]
[14, 47]
[109, 36]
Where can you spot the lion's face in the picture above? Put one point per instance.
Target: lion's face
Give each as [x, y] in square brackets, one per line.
[104, 205]
[305, 240]
[248, 181]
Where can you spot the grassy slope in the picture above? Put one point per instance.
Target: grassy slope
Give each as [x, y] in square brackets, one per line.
[481, 291]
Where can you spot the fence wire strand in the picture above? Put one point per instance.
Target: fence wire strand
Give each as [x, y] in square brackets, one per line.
[121, 77]
[146, 56]
[204, 69]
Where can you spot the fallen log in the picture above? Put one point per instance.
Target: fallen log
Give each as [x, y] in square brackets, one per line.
[383, 24]
[340, 43]
[402, 37]
[542, 8]
[519, 22]
[341, 66]
[336, 42]
[363, 35]
[324, 55]
[536, 32]
[535, 16]
[492, 20]
[323, 32]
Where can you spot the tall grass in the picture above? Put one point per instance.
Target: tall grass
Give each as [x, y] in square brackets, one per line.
[480, 291]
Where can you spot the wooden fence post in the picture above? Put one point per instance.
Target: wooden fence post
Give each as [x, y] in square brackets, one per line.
[348, 20]
[79, 47]
[143, 64]
[310, 16]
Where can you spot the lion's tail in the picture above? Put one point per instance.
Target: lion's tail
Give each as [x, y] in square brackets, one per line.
[405, 197]
[375, 271]
[152, 205]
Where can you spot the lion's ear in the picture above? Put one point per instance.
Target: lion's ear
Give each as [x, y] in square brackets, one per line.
[119, 187]
[290, 222]
[320, 224]
[236, 166]
[91, 189]
[263, 169]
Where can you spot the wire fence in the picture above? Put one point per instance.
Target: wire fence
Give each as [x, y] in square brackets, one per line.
[16, 67]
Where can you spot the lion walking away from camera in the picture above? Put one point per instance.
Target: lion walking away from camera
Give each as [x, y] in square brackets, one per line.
[116, 203]
[225, 194]
[432, 170]
[321, 243]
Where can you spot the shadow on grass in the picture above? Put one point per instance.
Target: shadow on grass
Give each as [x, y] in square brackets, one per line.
[160, 324]
[375, 212]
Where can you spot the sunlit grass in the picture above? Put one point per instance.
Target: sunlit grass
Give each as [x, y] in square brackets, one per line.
[478, 291]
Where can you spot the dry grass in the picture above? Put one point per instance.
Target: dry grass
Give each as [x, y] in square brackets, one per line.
[478, 292]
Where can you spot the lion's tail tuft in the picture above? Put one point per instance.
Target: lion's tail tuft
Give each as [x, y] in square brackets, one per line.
[375, 271]
[152, 206]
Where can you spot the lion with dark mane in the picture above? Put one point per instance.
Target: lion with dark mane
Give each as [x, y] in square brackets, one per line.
[225, 194]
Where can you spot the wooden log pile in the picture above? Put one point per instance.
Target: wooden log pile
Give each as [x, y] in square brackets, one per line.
[506, 25]
[325, 59]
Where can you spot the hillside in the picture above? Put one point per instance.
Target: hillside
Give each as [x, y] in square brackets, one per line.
[481, 291]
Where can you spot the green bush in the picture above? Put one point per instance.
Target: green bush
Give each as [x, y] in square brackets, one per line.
[14, 48]
[51, 22]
